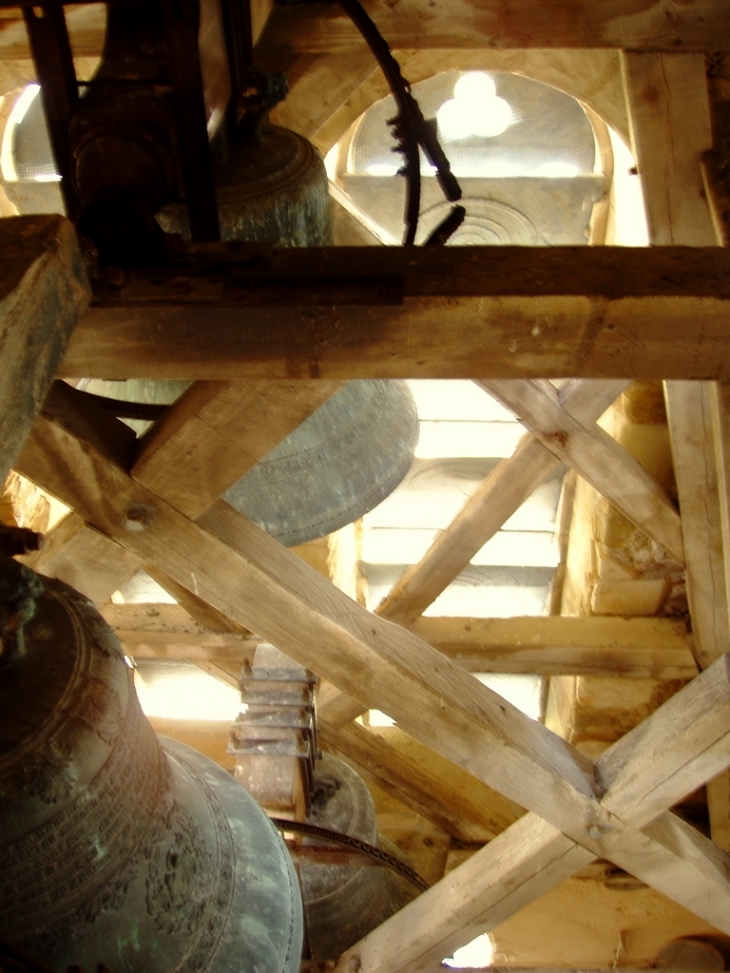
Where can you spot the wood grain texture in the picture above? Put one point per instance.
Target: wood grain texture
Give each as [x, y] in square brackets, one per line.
[218, 431]
[656, 648]
[462, 312]
[641, 648]
[643, 773]
[689, 416]
[669, 118]
[522, 864]
[669, 114]
[719, 399]
[83, 557]
[519, 866]
[257, 582]
[647, 770]
[160, 622]
[416, 785]
[43, 289]
[200, 609]
[593, 646]
[245, 575]
[633, 24]
[323, 85]
[165, 631]
[595, 456]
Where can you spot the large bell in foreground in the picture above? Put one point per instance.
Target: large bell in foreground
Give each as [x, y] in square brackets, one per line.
[338, 464]
[117, 848]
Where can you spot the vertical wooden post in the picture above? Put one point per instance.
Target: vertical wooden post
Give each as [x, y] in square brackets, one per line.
[671, 132]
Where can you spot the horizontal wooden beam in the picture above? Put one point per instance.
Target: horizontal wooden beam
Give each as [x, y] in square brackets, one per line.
[167, 631]
[635, 24]
[472, 312]
[656, 648]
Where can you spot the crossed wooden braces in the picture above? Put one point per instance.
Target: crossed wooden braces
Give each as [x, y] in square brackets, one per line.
[615, 808]
[162, 508]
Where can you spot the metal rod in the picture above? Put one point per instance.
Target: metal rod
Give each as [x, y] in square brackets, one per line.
[181, 31]
[56, 75]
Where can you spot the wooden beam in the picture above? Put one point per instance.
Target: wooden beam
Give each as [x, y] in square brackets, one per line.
[715, 160]
[595, 456]
[718, 807]
[323, 85]
[204, 444]
[642, 774]
[669, 119]
[523, 863]
[227, 672]
[669, 140]
[639, 648]
[85, 558]
[655, 648]
[646, 771]
[689, 417]
[253, 579]
[718, 789]
[633, 24]
[202, 611]
[260, 13]
[667, 851]
[671, 131]
[246, 575]
[43, 289]
[218, 431]
[165, 631]
[506, 488]
[519, 866]
[483, 312]
[415, 784]
[719, 401]
[159, 622]
[86, 27]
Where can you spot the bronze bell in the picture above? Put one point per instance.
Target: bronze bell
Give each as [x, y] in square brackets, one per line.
[270, 183]
[357, 447]
[342, 461]
[343, 903]
[116, 847]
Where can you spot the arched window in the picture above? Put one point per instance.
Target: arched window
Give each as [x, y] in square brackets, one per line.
[525, 153]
